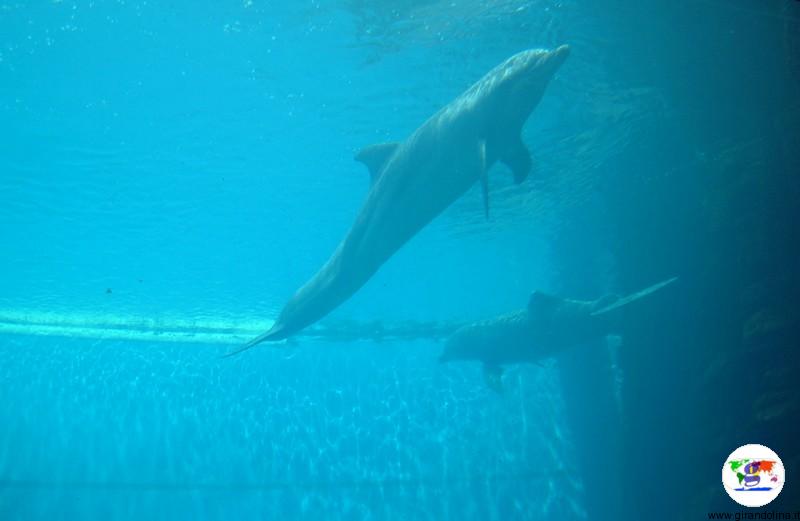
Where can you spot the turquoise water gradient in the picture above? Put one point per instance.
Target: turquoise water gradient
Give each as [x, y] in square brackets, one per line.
[195, 162]
[191, 163]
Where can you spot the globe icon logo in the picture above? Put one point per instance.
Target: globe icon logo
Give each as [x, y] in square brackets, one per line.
[753, 475]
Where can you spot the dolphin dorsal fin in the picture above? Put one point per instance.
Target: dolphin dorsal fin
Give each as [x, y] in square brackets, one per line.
[376, 156]
[539, 303]
[493, 374]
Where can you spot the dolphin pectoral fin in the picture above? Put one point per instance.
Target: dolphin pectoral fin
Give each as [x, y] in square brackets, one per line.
[517, 157]
[493, 375]
[375, 157]
[484, 176]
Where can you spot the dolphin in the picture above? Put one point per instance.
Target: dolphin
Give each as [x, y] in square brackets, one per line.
[548, 326]
[413, 181]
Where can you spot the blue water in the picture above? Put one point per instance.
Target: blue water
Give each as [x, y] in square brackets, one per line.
[193, 162]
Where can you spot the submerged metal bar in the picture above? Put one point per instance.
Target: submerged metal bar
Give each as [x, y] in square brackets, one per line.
[202, 330]
[167, 486]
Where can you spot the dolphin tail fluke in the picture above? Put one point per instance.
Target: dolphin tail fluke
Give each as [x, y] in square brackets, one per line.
[273, 334]
[618, 303]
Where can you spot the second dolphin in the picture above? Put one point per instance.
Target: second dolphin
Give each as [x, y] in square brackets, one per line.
[546, 328]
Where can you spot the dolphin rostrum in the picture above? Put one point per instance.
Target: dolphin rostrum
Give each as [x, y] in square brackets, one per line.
[413, 181]
[547, 327]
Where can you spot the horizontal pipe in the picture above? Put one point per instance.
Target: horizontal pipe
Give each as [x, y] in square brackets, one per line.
[216, 331]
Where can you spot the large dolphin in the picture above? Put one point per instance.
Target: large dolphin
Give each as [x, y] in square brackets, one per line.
[413, 181]
[546, 327]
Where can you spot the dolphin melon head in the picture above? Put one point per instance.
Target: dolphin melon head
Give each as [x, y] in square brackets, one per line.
[520, 81]
[464, 344]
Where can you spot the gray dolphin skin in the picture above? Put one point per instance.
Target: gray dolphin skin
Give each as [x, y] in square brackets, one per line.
[548, 326]
[413, 181]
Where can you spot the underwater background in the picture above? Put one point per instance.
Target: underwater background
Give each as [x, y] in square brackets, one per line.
[170, 173]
